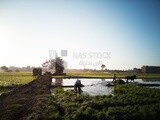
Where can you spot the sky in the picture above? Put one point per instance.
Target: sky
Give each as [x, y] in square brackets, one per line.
[122, 34]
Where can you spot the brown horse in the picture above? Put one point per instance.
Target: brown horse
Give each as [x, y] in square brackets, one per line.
[130, 78]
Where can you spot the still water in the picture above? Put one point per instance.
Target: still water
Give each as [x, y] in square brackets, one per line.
[98, 86]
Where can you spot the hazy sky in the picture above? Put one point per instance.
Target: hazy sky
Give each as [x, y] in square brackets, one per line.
[121, 34]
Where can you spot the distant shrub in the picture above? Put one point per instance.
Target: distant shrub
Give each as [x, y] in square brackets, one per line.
[37, 71]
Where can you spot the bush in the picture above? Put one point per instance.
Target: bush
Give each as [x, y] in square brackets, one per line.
[128, 102]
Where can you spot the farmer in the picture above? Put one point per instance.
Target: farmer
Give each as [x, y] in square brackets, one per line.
[114, 77]
[77, 86]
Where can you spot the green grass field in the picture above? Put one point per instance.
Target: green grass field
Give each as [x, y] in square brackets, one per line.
[110, 75]
[9, 79]
[21, 78]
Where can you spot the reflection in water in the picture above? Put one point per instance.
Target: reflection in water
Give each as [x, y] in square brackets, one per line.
[151, 80]
[58, 82]
[148, 81]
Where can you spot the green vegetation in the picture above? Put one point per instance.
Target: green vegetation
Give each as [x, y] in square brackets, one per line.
[100, 75]
[9, 80]
[110, 75]
[26, 101]
[129, 102]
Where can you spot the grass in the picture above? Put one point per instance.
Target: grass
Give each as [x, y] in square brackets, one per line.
[12, 79]
[128, 102]
[108, 75]
[30, 98]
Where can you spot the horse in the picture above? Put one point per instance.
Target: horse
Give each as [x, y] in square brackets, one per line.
[130, 78]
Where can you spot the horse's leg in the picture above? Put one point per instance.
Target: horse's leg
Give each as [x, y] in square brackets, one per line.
[129, 79]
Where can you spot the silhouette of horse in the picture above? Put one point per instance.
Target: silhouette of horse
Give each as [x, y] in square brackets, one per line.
[130, 78]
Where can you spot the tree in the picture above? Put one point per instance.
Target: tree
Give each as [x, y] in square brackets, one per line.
[46, 64]
[103, 66]
[52, 64]
[37, 71]
[4, 68]
[59, 65]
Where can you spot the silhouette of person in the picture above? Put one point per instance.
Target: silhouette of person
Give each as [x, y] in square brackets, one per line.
[114, 77]
[78, 86]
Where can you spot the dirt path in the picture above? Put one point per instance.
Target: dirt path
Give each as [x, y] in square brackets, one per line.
[20, 103]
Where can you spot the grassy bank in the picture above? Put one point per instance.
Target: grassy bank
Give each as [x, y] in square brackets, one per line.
[129, 102]
[107, 75]
[24, 102]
